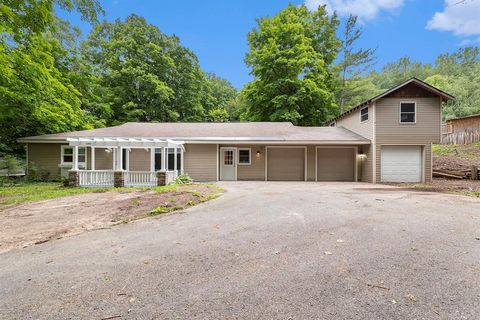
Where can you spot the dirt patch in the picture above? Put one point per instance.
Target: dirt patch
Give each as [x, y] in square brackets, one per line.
[456, 157]
[465, 187]
[42, 221]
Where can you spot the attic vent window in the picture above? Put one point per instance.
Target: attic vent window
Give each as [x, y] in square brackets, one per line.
[407, 112]
[364, 114]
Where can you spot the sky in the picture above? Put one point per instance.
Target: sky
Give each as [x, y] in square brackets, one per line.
[217, 30]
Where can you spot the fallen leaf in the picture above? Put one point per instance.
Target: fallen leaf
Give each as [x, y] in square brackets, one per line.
[410, 297]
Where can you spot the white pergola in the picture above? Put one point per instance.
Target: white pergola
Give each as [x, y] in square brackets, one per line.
[119, 144]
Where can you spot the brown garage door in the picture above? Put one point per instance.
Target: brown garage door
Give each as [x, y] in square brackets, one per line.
[286, 164]
[335, 164]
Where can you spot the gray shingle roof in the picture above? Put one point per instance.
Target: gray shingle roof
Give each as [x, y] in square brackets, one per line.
[237, 131]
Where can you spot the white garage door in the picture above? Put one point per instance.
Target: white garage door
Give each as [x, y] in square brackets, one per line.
[401, 163]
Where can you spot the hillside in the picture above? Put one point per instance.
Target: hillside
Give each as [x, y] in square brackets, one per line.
[456, 157]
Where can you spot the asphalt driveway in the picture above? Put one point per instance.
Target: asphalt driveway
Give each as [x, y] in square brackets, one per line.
[263, 251]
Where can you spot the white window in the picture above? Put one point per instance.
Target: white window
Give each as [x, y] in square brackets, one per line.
[364, 114]
[244, 156]
[67, 155]
[408, 112]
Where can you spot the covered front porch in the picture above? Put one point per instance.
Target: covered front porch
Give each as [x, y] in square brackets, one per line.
[118, 162]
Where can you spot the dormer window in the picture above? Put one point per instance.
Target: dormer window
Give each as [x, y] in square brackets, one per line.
[364, 114]
[408, 112]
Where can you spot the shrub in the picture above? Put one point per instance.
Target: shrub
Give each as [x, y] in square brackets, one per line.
[11, 164]
[183, 179]
[36, 174]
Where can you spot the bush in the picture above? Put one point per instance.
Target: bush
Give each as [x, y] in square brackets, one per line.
[36, 174]
[183, 179]
[11, 164]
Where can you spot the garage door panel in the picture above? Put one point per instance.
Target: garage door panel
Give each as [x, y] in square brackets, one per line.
[335, 164]
[401, 163]
[285, 164]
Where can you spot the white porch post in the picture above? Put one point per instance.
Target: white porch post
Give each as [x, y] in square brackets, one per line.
[114, 159]
[75, 158]
[175, 160]
[181, 160]
[164, 157]
[92, 167]
[127, 159]
[120, 159]
[152, 159]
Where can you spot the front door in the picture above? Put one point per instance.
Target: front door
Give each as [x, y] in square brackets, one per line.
[228, 164]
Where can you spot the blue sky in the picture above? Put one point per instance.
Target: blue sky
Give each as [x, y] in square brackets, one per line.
[217, 30]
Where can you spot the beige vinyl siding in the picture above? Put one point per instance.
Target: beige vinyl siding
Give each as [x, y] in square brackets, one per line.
[427, 151]
[46, 156]
[310, 163]
[254, 171]
[352, 122]
[139, 160]
[366, 129]
[201, 161]
[366, 170]
[103, 159]
[426, 130]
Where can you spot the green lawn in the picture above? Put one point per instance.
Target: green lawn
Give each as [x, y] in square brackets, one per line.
[23, 192]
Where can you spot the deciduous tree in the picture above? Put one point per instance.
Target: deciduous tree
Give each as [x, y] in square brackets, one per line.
[290, 57]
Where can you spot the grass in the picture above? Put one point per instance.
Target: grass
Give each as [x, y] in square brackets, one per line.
[443, 149]
[470, 193]
[469, 152]
[216, 191]
[36, 191]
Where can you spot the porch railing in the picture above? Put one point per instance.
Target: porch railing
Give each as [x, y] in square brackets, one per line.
[139, 178]
[106, 178]
[95, 178]
[171, 176]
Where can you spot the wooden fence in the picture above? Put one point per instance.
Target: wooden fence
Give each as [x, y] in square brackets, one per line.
[461, 137]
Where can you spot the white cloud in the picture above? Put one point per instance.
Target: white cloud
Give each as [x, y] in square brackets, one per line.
[364, 9]
[461, 18]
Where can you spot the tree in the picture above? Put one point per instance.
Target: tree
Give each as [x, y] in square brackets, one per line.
[222, 99]
[396, 72]
[458, 73]
[218, 114]
[290, 57]
[35, 97]
[353, 65]
[147, 75]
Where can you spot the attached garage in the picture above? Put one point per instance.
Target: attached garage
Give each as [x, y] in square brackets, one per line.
[286, 163]
[401, 163]
[336, 164]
